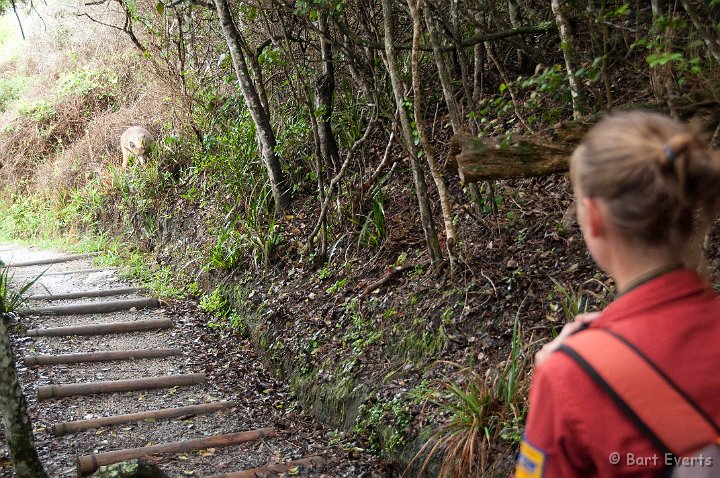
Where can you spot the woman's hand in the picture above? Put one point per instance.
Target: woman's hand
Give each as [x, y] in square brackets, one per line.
[570, 328]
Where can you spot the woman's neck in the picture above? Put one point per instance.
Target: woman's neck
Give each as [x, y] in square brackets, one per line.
[638, 263]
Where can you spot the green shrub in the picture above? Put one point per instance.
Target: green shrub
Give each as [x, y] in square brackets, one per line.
[224, 315]
[102, 84]
[38, 111]
[10, 90]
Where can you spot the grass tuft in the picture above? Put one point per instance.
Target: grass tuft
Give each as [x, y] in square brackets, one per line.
[11, 298]
[483, 412]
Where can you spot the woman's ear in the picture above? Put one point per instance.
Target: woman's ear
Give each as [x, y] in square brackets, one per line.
[596, 214]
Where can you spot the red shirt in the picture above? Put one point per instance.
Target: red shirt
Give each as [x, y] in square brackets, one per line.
[574, 429]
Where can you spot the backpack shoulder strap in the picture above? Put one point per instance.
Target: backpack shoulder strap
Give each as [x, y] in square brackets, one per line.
[658, 407]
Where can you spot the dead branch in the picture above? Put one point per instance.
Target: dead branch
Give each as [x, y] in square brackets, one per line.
[381, 167]
[338, 177]
[390, 275]
[470, 42]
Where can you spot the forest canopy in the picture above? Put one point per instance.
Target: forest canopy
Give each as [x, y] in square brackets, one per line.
[318, 78]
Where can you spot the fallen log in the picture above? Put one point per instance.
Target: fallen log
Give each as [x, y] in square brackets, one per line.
[479, 159]
[271, 470]
[102, 329]
[113, 386]
[93, 307]
[107, 356]
[87, 464]
[64, 428]
[88, 294]
[53, 260]
[547, 152]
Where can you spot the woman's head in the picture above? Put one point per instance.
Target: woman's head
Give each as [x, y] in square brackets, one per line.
[654, 176]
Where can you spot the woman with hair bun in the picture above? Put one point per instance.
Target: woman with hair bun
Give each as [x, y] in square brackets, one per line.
[634, 390]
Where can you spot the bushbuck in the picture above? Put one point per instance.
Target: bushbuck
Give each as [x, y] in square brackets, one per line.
[135, 141]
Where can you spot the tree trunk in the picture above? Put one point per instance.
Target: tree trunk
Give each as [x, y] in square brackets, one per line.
[450, 233]
[661, 82]
[462, 58]
[259, 82]
[17, 15]
[598, 14]
[456, 120]
[559, 9]
[514, 14]
[265, 133]
[706, 34]
[324, 90]
[428, 223]
[14, 414]
[443, 73]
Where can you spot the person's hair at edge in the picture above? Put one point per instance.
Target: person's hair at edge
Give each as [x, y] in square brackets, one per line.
[661, 184]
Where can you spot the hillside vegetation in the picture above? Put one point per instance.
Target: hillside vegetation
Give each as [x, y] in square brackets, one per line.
[298, 185]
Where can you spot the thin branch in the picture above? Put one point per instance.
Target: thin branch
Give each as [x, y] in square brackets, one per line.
[383, 164]
[175, 3]
[22, 32]
[99, 22]
[126, 28]
[510, 88]
[262, 46]
[542, 28]
[338, 177]
[389, 276]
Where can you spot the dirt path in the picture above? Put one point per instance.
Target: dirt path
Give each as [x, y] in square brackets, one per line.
[233, 373]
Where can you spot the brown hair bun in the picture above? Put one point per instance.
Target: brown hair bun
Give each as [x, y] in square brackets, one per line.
[653, 173]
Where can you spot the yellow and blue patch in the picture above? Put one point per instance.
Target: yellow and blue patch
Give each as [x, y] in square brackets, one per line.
[531, 462]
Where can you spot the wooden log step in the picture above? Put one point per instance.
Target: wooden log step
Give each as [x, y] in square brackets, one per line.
[93, 307]
[73, 271]
[29, 277]
[272, 470]
[113, 386]
[89, 294]
[54, 260]
[87, 464]
[106, 356]
[64, 428]
[102, 329]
